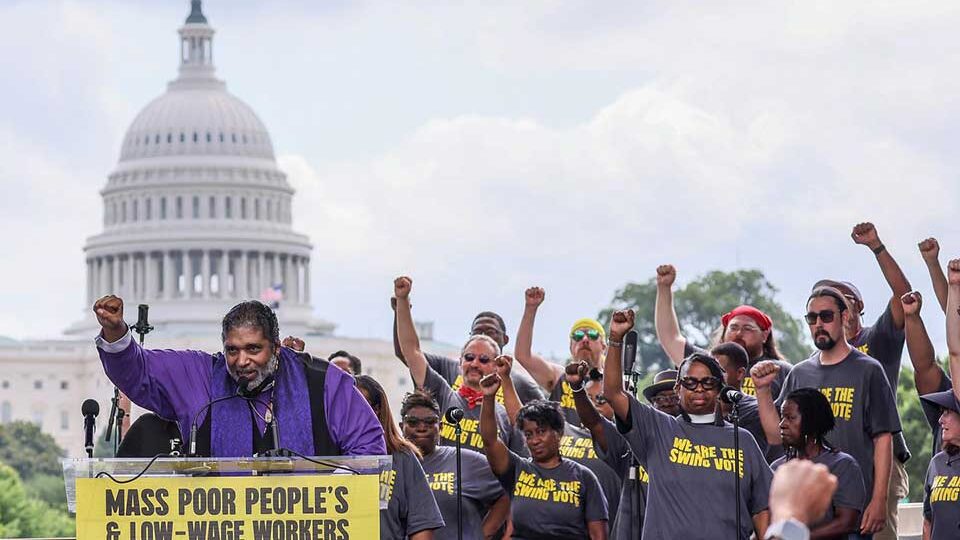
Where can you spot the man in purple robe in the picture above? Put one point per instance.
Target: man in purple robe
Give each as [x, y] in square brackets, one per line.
[260, 390]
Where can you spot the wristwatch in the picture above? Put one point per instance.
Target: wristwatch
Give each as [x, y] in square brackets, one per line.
[789, 529]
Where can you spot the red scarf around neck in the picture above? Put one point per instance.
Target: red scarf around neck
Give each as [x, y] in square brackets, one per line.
[473, 397]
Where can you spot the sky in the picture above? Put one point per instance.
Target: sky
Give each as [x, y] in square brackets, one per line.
[484, 147]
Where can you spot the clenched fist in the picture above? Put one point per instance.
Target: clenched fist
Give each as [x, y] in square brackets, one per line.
[576, 373]
[953, 272]
[402, 286]
[490, 384]
[534, 297]
[764, 373]
[504, 364]
[109, 312]
[294, 343]
[929, 250]
[911, 302]
[666, 275]
[621, 323]
[866, 234]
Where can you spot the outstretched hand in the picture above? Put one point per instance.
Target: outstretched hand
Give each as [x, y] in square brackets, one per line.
[666, 275]
[865, 234]
[621, 323]
[109, 312]
[911, 302]
[402, 286]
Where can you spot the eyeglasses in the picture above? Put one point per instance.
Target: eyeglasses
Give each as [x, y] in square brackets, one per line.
[708, 383]
[745, 329]
[580, 334]
[483, 359]
[670, 399]
[416, 421]
[826, 316]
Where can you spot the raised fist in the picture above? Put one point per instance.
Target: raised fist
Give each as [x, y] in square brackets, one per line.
[490, 384]
[402, 286]
[764, 373]
[666, 275]
[929, 249]
[865, 234]
[109, 312]
[576, 373]
[621, 323]
[911, 303]
[953, 272]
[504, 364]
[534, 296]
[294, 343]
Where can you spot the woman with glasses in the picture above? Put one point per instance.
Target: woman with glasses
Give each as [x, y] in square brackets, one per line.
[411, 509]
[477, 359]
[550, 496]
[806, 420]
[691, 459]
[485, 505]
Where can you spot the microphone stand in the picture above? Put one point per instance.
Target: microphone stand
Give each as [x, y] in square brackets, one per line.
[117, 413]
[735, 419]
[457, 430]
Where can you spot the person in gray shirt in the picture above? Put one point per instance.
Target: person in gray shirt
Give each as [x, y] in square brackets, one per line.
[859, 395]
[734, 361]
[551, 496]
[411, 509]
[485, 505]
[691, 460]
[941, 490]
[807, 418]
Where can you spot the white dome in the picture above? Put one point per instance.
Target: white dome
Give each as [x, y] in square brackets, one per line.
[196, 119]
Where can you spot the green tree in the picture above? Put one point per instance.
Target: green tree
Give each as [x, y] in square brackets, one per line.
[22, 516]
[916, 431]
[29, 451]
[699, 305]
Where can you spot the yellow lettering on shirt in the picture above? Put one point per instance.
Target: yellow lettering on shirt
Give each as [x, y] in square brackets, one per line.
[387, 479]
[577, 447]
[748, 387]
[865, 349]
[566, 396]
[443, 482]
[532, 486]
[945, 489]
[704, 456]
[469, 432]
[841, 400]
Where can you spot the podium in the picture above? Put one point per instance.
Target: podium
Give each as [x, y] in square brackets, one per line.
[274, 498]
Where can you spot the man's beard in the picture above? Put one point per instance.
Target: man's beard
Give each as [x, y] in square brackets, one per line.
[262, 375]
[824, 344]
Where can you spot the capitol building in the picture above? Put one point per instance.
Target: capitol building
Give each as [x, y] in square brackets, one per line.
[196, 217]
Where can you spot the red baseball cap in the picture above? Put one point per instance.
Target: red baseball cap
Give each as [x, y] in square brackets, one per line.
[763, 321]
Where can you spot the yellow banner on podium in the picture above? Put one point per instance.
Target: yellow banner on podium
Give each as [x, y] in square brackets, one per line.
[318, 507]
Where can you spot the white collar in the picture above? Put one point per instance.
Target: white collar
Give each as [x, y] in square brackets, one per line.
[702, 418]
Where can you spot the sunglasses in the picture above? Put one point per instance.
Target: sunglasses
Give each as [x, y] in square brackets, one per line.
[708, 383]
[470, 357]
[826, 316]
[416, 421]
[580, 334]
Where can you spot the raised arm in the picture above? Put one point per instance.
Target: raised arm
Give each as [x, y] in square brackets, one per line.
[927, 374]
[497, 454]
[866, 234]
[396, 339]
[930, 251]
[763, 375]
[545, 373]
[407, 333]
[665, 316]
[953, 322]
[511, 400]
[621, 323]
[576, 374]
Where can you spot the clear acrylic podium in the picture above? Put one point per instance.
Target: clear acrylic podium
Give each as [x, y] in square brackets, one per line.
[182, 467]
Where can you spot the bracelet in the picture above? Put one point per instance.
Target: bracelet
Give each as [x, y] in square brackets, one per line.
[612, 343]
[577, 390]
[879, 249]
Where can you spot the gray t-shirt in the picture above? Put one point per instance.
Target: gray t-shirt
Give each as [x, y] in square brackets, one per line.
[410, 507]
[552, 503]
[470, 425]
[480, 489]
[562, 393]
[448, 368]
[633, 495]
[862, 403]
[691, 470]
[884, 342]
[577, 444]
[850, 493]
[941, 497]
[748, 387]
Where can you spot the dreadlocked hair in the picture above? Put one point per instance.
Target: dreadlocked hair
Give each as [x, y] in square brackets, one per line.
[816, 415]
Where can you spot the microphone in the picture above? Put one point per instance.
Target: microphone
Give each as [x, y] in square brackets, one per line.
[90, 410]
[192, 452]
[629, 351]
[143, 326]
[730, 395]
[453, 415]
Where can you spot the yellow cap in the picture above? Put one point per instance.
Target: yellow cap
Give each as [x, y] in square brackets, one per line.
[587, 322]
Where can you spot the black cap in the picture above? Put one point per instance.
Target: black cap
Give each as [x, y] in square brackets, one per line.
[945, 400]
[664, 380]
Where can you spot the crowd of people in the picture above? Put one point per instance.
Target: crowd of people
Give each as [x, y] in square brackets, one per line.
[734, 441]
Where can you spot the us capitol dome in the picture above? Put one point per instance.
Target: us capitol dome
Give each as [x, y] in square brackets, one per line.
[196, 214]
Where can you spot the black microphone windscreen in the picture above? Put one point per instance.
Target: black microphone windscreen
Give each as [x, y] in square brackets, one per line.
[142, 311]
[453, 415]
[730, 395]
[90, 406]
